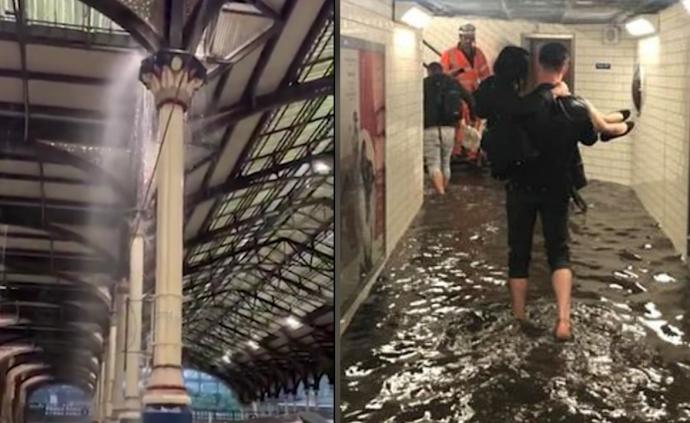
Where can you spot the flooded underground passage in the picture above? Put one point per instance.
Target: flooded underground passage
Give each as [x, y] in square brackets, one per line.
[514, 211]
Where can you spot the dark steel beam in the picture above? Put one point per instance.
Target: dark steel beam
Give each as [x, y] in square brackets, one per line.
[59, 262]
[20, 14]
[226, 63]
[249, 321]
[29, 290]
[276, 274]
[76, 373]
[237, 225]
[277, 296]
[174, 23]
[223, 277]
[60, 212]
[50, 154]
[288, 79]
[247, 95]
[52, 337]
[23, 267]
[213, 261]
[57, 113]
[57, 314]
[217, 338]
[55, 341]
[202, 15]
[54, 77]
[143, 32]
[78, 378]
[56, 129]
[46, 35]
[322, 18]
[265, 9]
[284, 364]
[288, 95]
[258, 177]
[271, 223]
[28, 236]
[47, 179]
[310, 249]
[58, 359]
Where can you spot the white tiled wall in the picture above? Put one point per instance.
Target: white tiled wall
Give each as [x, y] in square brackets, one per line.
[372, 20]
[660, 166]
[606, 89]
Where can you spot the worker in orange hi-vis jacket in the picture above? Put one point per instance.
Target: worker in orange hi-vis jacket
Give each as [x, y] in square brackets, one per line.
[468, 64]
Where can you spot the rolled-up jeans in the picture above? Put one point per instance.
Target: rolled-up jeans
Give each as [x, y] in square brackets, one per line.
[438, 149]
[523, 205]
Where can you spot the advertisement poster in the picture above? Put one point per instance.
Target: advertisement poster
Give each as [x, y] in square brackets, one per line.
[362, 141]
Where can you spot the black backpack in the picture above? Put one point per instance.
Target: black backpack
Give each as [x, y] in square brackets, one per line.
[507, 146]
[451, 99]
[505, 142]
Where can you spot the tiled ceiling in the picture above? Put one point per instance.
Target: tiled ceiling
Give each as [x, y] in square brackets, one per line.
[552, 11]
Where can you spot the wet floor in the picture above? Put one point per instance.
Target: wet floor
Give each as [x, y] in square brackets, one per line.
[435, 341]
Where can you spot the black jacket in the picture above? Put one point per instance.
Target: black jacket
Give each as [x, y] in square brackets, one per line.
[552, 127]
[434, 87]
[506, 141]
[556, 134]
[496, 99]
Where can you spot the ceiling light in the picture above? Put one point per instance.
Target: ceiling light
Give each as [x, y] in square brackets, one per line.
[226, 358]
[686, 3]
[640, 27]
[253, 345]
[416, 17]
[321, 167]
[293, 323]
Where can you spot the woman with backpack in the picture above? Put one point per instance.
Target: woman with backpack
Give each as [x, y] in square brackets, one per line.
[443, 98]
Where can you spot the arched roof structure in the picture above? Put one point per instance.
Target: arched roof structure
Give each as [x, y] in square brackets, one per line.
[259, 252]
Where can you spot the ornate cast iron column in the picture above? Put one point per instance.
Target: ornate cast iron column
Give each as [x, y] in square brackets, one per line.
[132, 408]
[110, 371]
[103, 382]
[173, 77]
[118, 397]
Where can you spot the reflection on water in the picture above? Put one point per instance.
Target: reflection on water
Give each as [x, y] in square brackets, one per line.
[435, 341]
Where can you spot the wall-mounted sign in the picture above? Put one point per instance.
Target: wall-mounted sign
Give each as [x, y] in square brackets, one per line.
[637, 84]
[605, 66]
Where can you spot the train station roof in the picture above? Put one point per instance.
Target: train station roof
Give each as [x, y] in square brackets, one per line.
[76, 123]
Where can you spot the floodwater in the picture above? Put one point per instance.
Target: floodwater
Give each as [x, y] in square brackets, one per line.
[435, 341]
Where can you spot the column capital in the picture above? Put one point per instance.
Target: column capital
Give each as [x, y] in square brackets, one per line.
[172, 76]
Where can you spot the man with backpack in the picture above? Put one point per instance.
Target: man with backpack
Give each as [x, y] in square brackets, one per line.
[443, 98]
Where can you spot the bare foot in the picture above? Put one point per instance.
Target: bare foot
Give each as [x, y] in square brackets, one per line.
[530, 329]
[562, 332]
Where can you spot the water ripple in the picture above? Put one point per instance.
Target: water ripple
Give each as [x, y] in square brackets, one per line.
[436, 341]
